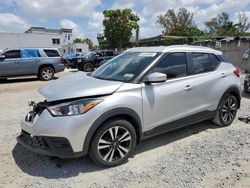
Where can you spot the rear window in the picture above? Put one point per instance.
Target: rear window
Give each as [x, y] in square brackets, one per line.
[51, 53]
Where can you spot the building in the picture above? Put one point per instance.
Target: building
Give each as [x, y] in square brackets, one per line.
[40, 37]
[233, 48]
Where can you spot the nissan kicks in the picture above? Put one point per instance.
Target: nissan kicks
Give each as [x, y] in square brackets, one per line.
[138, 94]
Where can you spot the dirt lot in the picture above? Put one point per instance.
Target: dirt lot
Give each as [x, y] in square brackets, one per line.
[202, 155]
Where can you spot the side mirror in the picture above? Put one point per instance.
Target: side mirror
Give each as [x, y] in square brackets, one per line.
[156, 77]
[2, 57]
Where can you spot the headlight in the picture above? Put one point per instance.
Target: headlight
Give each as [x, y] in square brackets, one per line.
[73, 108]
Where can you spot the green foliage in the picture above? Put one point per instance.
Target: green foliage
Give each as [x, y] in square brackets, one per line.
[118, 25]
[102, 41]
[77, 40]
[89, 42]
[221, 25]
[243, 24]
[180, 24]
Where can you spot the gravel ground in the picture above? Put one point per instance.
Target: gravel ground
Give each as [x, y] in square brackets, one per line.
[201, 155]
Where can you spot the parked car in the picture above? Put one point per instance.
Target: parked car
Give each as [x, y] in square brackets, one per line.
[43, 62]
[68, 59]
[91, 60]
[247, 83]
[139, 94]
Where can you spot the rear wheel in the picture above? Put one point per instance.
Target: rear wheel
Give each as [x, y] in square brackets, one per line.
[46, 73]
[113, 143]
[88, 67]
[226, 111]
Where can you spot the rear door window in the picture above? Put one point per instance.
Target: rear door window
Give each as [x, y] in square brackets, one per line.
[12, 54]
[201, 63]
[51, 53]
[30, 53]
[214, 61]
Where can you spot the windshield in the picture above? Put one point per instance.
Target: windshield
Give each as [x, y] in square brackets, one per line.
[125, 67]
[89, 55]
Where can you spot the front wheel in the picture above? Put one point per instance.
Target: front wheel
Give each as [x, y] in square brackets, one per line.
[88, 67]
[113, 143]
[226, 111]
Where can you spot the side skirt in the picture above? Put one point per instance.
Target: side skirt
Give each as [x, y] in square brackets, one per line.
[183, 122]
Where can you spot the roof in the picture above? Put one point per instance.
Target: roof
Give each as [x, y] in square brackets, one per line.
[175, 48]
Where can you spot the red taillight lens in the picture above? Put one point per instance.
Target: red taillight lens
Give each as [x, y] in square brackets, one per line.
[237, 72]
[62, 60]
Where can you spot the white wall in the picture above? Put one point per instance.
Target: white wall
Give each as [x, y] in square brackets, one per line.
[29, 40]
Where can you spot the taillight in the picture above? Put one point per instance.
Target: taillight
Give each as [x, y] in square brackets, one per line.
[62, 60]
[237, 72]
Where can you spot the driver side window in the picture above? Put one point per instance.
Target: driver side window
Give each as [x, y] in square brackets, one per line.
[174, 65]
[12, 54]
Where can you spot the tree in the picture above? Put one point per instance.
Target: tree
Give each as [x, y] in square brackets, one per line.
[101, 41]
[77, 40]
[89, 42]
[180, 24]
[221, 25]
[118, 25]
[243, 24]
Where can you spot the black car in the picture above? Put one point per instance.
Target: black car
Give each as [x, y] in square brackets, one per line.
[92, 60]
[247, 84]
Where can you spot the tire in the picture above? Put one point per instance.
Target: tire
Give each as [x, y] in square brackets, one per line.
[246, 87]
[46, 73]
[88, 67]
[116, 151]
[226, 111]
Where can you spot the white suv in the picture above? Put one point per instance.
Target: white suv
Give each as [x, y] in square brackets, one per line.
[138, 94]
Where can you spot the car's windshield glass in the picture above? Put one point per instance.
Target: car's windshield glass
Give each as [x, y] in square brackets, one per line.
[89, 54]
[125, 67]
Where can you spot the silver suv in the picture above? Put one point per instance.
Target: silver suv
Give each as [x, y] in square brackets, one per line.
[138, 94]
[43, 62]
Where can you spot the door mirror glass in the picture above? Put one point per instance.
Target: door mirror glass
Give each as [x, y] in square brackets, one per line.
[2, 57]
[156, 77]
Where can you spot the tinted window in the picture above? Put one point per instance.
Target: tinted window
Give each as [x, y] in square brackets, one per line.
[223, 58]
[55, 41]
[12, 54]
[174, 65]
[51, 53]
[30, 53]
[201, 63]
[109, 53]
[214, 61]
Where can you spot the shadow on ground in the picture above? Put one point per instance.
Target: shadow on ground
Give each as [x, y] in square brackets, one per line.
[53, 168]
[246, 95]
[21, 80]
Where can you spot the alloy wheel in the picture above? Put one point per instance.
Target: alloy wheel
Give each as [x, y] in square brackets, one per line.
[114, 144]
[229, 110]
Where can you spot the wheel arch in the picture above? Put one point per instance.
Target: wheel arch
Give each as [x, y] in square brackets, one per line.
[124, 113]
[46, 65]
[235, 92]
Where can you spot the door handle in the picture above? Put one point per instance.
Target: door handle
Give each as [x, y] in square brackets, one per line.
[223, 75]
[188, 87]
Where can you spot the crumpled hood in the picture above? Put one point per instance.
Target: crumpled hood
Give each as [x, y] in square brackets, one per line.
[78, 85]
